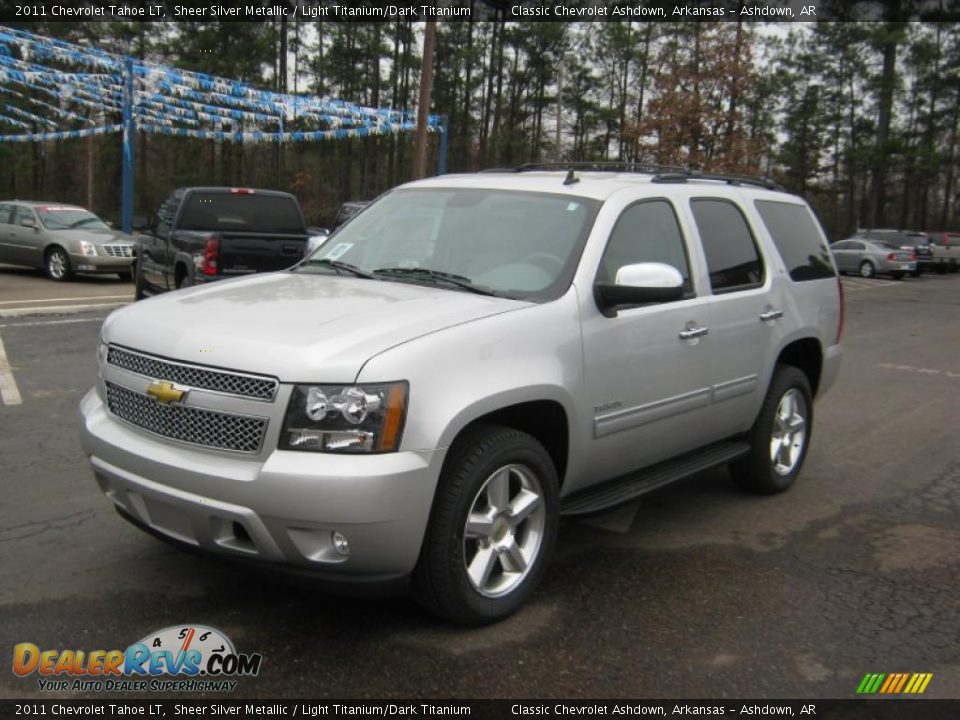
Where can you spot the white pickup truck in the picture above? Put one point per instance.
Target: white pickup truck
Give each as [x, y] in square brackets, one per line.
[945, 250]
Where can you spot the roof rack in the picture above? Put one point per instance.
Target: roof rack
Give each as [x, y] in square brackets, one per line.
[729, 178]
[599, 166]
[660, 173]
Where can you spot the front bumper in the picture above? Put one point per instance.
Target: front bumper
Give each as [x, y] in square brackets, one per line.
[100, 263]
[282, 509]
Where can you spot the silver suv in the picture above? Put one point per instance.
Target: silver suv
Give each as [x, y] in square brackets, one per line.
[470, 358]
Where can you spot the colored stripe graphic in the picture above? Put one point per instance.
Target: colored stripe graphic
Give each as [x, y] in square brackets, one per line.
[894, 683]
[870, 683]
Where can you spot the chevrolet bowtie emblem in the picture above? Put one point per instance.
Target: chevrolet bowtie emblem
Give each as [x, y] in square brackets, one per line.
[166, 393]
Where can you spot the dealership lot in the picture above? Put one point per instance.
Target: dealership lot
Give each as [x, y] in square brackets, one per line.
[698, 591]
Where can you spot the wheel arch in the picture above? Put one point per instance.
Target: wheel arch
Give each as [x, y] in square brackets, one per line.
[52, 245]
[183, 266]
[805, 354]
[546, 420]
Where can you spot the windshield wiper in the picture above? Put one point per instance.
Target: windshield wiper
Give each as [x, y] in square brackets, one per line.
[341, 266]
[81, 221]
[459, 281]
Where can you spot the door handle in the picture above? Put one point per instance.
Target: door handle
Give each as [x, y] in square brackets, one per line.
[693, 332]
[771, 314]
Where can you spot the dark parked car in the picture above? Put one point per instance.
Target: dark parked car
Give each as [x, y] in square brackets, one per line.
[203, 234]
[347, 211]
[318, 236]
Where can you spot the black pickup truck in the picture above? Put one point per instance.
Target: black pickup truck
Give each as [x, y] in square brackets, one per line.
[209, 233]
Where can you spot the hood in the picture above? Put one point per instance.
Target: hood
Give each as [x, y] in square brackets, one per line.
[298, 327]
[98, 237]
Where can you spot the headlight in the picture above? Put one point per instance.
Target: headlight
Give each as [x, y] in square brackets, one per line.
[87, 248]
[345, 418]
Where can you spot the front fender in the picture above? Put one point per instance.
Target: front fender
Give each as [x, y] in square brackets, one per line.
[464, 372]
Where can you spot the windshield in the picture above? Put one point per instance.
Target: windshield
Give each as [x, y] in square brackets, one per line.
[67, 218]
[515, 244]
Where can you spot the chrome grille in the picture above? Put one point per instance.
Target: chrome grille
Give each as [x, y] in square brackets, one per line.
[221, 381]
[119, 250]
[209, 428]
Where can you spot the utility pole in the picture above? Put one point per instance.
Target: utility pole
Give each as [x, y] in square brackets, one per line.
[558, 150]
[423, 108]
[129, 133]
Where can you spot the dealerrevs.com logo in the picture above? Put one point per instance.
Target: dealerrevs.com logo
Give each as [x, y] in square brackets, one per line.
[187, 658]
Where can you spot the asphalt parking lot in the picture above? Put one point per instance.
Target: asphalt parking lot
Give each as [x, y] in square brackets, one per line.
[698, 591]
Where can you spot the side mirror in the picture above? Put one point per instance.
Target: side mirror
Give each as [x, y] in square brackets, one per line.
[140, 222]
[28, 222]
[640, 284]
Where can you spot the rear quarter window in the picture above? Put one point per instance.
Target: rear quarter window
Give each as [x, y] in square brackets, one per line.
[797, 237]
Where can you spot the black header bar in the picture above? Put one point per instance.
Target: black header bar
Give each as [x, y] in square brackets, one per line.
[553, 709]
[12, 11]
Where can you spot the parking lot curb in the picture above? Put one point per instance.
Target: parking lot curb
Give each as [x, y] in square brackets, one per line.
[58, 309]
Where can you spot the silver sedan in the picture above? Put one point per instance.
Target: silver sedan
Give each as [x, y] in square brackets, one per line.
[62, 240]
[868, 258]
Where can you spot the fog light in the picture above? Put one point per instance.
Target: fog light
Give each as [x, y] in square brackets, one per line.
[340, 544]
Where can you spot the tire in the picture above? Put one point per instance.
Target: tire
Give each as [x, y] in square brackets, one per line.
[917, 273]
[56, 264]
[867, 270]
[768, 469]
[897, 275]
[139, 284]
[491, 474]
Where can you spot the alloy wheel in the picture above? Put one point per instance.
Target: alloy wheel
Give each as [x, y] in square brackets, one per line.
[57, 264]
[789, 432]
[504, 530]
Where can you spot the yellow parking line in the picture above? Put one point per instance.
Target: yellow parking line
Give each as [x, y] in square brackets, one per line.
[9, 392]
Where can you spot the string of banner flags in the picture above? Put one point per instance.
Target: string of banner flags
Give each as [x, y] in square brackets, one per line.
[163, 101]
[50, 83]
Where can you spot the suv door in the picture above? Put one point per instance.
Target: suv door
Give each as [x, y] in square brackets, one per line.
[646, 386]
[744, 315]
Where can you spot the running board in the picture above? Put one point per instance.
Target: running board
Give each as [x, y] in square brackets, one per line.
[620, 490]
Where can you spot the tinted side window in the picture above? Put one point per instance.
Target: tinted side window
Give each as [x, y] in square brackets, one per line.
[5, 210]
[732, 257]
[795, 233]
[857, 246]
[842, 245]
[646, 232]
